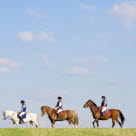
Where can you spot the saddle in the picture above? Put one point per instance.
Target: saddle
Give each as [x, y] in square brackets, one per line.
[24, 116]
[105, 112]
[21, 118]
[58, 115]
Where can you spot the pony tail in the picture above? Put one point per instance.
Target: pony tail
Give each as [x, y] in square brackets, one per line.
[122, 118]
[76, 120]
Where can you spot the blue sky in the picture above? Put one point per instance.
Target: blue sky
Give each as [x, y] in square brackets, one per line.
[79, 50]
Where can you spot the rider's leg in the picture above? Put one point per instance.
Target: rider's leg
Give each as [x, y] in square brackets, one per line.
[58, 113]
[101, 114]
[20, 117]
[102, 111]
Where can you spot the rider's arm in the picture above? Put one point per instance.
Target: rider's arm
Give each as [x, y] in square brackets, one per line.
[103, 105]
[60, 104]
[20, 109]
[57, 107]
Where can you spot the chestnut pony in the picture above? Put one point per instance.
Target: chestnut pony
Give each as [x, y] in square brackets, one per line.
[68, 115]
[114, 114]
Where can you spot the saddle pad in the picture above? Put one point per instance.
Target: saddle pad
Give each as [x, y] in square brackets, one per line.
[105, 112]
[24, 116]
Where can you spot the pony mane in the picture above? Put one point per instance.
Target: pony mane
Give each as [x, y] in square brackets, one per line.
[10, 111]
[45, 107]
[93, 103]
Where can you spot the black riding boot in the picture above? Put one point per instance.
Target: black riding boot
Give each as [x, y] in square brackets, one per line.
[20, 120]
[101, 115]
[57, 116]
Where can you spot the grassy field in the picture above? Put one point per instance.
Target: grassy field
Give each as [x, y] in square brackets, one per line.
[67, 132]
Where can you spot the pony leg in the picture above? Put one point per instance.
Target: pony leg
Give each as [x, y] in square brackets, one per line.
[113, 122]
[69, 123]
[36, 122]
[93, 123]
[53, 122]
[31, 124]
[97, 124]
[72, 121]
[12, 125]
[17, 125]
[119, 123]
[37, 125]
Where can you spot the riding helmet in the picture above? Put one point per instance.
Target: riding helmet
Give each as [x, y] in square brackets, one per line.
[103, 97]
[59, 98]
[22, 101]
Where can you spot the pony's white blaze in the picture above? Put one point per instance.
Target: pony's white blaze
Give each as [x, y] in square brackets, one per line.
[30, 117]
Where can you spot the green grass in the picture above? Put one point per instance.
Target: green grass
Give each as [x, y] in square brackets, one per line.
[67, 132]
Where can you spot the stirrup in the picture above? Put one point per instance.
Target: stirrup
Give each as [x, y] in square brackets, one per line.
[20, 122]
[57, 119]
[101, 117]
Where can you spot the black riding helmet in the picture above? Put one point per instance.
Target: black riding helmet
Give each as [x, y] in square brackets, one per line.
[60, 98]
[22, 101]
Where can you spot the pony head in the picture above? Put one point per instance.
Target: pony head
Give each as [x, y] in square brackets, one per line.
[89, 103]
[8, 113]
[4, 115]
[43, 111]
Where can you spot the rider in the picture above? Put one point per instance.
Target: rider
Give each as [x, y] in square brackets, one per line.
[59, 107]
[103, 105]
[22, 111]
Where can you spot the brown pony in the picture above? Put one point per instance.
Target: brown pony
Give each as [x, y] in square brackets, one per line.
[114, 114]
[68, 115]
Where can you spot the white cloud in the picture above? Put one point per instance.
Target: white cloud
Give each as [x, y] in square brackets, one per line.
[87, 7]
[114, 81]
[99, 59]
[50, 94]
[29, 36]
[4, 69]
[25, 36]
[45, 60]
[79, 60]
[104, 36]
[44, 36]
[81, 71]
[125, 13]
[37, 14]
[7, 65]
